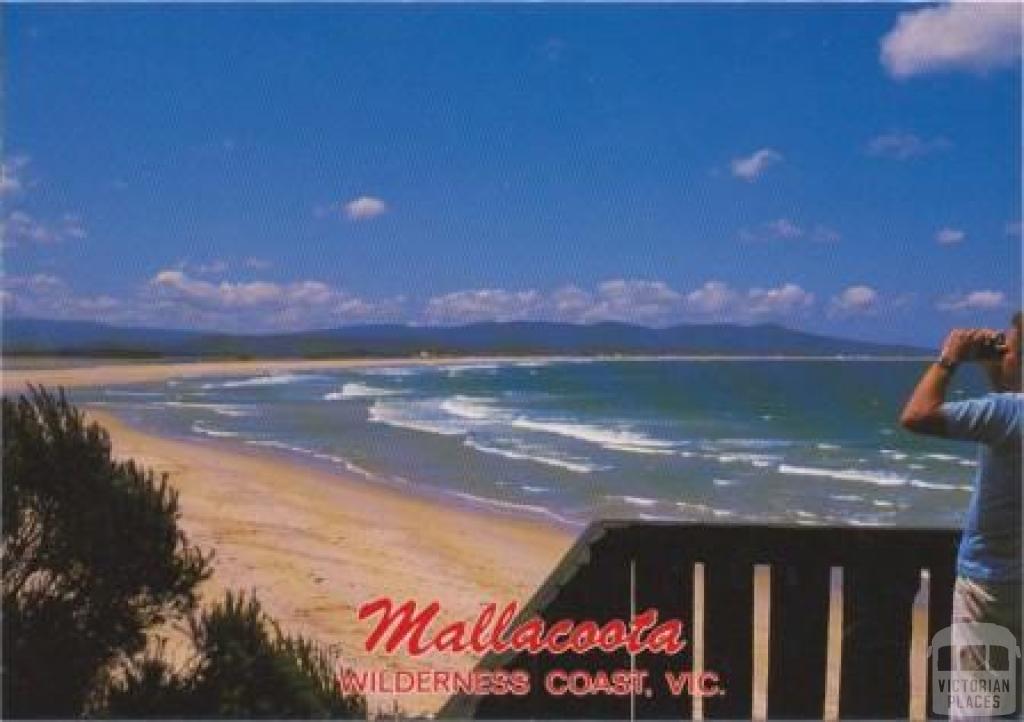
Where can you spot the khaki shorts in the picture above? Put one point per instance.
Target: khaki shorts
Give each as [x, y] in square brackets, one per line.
[976, 602]
[989, 603]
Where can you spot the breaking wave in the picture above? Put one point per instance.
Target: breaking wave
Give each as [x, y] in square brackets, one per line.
[264, 380]
[579, 466]
[355, 390]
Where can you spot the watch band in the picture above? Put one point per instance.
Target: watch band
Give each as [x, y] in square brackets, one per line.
[946, 363]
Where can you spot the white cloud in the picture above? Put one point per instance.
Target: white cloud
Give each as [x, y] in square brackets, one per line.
[571, 302]
[717, 301]
[786, 300]
[751, 167]
[11, 181]
[972, 36]
[48, 296]
[633, 300]
[19, 227]
[178, 284]
[949, 236]
[854, 300]
[711, 299]
[778, 229]
[365, 208]
[485, 304]
[262, 304]
[220, 266]
[39, 283]
[619, 299]
[785, 229]
[985, 300]
[173, 298]
[639, 301]
[904, 146]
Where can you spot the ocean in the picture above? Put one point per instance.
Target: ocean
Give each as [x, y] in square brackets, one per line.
[730, 441]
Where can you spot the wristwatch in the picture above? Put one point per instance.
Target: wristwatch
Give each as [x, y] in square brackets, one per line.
[947, 363]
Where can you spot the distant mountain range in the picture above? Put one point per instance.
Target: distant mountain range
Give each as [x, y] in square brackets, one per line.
[37, 336]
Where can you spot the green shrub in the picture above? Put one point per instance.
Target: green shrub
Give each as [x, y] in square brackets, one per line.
[93, 558]
[245, 666]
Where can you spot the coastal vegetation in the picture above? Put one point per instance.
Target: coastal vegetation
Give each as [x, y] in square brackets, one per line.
[95, 562]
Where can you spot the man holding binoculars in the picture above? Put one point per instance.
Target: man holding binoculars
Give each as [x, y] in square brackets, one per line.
[988, 586]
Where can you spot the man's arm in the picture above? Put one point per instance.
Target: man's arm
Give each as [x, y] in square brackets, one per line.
[923, 411]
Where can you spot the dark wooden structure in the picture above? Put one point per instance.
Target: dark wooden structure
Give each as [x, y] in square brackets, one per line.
[616, 567]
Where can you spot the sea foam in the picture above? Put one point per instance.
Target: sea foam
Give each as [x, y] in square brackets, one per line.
[265, 380]
[513, 506]
[614, 439]
[355, 390]
[217, 433]
[579, 466]
[880, 478]
[233, 410]
[422, 416]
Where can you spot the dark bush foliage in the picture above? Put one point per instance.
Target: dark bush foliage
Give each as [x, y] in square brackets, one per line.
[93, 558]
[245, 667]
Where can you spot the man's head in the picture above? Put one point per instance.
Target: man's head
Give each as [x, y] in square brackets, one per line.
[1005, 372]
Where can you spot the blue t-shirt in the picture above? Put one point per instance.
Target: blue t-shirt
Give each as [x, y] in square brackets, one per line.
[990, 549]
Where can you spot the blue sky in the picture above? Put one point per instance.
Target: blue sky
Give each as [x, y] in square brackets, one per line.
[847, 169]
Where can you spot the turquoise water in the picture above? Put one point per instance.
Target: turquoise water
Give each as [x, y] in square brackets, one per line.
[803, 442]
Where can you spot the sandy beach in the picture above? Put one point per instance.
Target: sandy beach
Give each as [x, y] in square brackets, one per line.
[120, 373]
[313, 546]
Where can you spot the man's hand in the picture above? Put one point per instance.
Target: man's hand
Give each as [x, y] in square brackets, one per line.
[962, 343]
[923, 412]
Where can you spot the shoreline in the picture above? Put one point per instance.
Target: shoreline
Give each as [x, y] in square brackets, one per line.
[313, 545]
[405, 488]
[110, 372]
[314, 542]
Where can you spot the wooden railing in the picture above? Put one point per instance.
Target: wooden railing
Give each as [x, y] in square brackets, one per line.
[677, 568]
